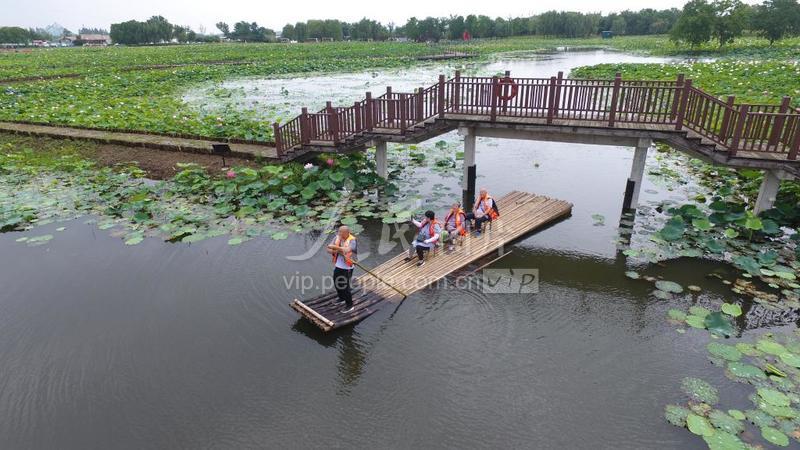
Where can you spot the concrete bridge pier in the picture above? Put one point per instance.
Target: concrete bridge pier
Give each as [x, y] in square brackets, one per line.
[468, 180]
[381, 162]
[634, 186]
[769, 189]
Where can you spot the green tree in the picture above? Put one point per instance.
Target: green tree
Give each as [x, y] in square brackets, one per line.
[695, 23]
[288, 32]
[301, 31]
[14, 35]
[730, 20]
[619, 25]
[224, 29]
[455, 27]
[775, 19]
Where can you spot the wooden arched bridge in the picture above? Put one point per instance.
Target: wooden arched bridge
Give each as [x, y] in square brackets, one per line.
[606, 112]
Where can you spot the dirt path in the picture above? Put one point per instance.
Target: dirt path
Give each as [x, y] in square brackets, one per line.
[161, 165]
[146, 141]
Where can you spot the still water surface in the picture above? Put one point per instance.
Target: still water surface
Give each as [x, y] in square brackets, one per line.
[165, 345]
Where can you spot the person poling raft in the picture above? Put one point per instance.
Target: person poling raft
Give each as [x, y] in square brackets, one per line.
[343, 250]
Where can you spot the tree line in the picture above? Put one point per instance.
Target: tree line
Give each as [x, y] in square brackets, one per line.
[247, 32]
[552, 23]
[154, 30]
[724, 20]
[699, 21]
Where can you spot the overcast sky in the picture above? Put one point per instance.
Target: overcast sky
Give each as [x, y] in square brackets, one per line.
[74, 14]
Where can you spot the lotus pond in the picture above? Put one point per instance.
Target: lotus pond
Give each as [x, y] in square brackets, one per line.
[154, 313]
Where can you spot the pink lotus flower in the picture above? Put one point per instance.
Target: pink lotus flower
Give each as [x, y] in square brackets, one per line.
[230, 174]
[330, 162]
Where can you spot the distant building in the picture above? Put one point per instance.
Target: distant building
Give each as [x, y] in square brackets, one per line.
[94, 39]
[607, 34]
[67, 41]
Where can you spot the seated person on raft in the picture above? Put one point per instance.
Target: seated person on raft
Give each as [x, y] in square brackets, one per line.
[455, 224]
[485, 210]
[427, 237]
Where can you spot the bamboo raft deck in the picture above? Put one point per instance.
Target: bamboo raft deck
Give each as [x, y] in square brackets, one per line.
[520, 214]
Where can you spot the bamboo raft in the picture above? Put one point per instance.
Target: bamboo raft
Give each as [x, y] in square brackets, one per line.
[521, 213]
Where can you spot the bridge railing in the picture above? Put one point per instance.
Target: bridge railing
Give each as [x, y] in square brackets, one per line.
[766, 130]
[651, 102]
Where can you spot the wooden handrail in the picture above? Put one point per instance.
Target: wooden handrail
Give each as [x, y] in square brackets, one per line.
[759, 128]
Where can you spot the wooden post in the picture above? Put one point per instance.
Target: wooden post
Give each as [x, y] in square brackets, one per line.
[390, 112]
[305, 132]
[687, 86]
[726, 119]
[737, 131]
[557, 101]
[440, 97]
[369, 114]
[676, 99]
[420, 110]
[358, 111]
[333, 123]
[276, 131]
[612, 115]
[402, 104]
[551, 100]
[777, 125]
[495, 93]
[456, 101]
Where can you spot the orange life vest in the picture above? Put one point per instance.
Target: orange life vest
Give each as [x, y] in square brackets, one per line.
[459, 226]
[348, 255]
[431, 229]
[488, 207]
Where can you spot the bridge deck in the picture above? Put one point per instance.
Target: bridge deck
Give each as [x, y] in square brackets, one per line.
[521, 214]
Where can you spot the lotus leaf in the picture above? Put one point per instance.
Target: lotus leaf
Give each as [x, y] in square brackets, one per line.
[699, 311]
[759, 418]
[790, 359]
[773, 397]
[663, 295]
[747, 349]
[676, 314]
[727, 352]
[732, 309]
[718, 324]
[777, 411]
[736, 414]
[743, 370]
[699, 425]
[725, 422]
[774, 436]
[771, 347]
[676, 415]
[700, 390]
[721, 440]
[669, 286]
